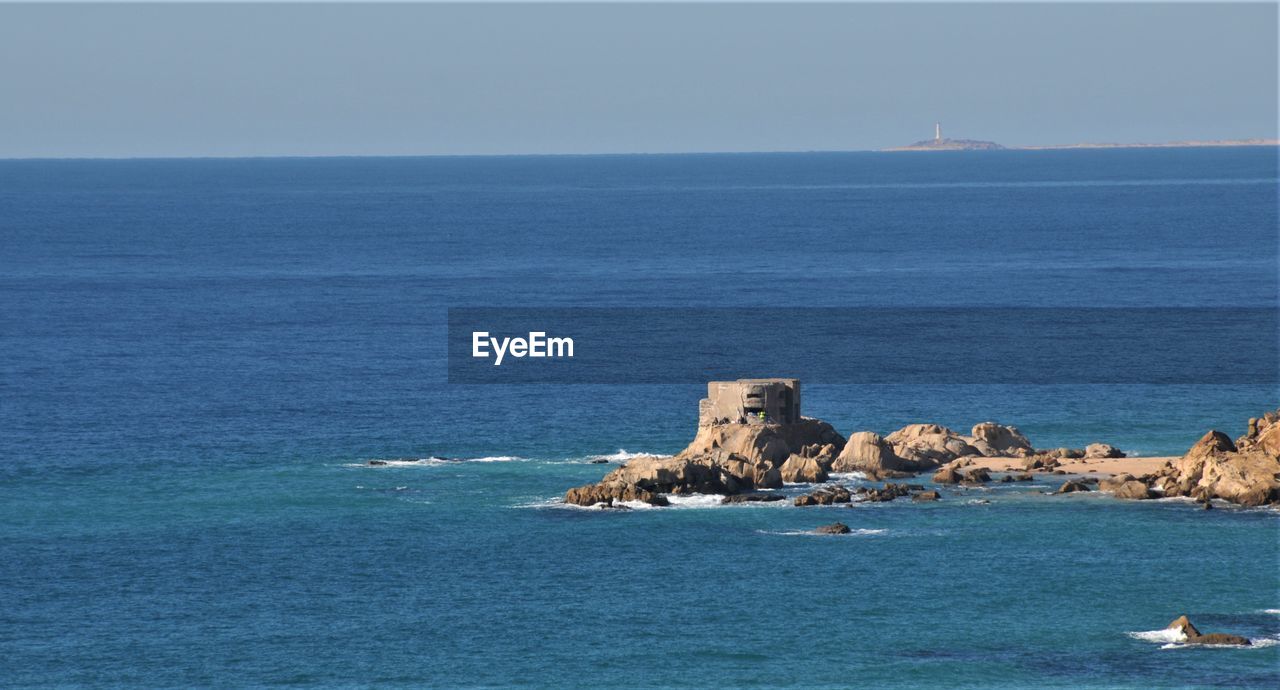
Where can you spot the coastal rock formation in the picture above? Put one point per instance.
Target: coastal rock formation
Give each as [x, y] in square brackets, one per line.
[1069, 487]
[833, 528]
[1183, 625]
[1247, 473]
[748, 431]
[925, 496]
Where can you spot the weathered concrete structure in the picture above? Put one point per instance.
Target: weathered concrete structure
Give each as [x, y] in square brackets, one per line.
[750, 401]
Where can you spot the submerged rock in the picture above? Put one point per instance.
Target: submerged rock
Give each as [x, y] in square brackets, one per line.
[833, 528]
[825, 497]
[924, 496]
[752, 498]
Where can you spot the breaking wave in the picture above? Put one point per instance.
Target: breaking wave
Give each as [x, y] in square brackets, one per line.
[432, 461]
[622, 455]
[811, 533]
[1170, 638]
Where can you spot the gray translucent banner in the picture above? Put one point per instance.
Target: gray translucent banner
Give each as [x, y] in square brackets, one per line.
[865, 345]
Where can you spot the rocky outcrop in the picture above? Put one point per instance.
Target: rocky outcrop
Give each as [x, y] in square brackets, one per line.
[833, 528]
[1183, 625]
[889, 492]
[1247, 473]
[925, 496]
[727, 458]
[1069, 487]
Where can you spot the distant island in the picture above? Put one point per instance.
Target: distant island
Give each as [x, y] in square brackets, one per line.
[940, 143]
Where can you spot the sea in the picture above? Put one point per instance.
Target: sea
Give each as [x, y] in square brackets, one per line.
[199, 358]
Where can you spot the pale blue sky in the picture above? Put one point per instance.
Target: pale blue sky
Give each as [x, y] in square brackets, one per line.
[398, 79]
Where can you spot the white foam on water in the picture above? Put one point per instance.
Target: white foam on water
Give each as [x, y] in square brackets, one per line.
[811, 533]
[695, 500]
[848, 475]
[622, 455]
[1162, 635]
[1274, 612]
[433, 461]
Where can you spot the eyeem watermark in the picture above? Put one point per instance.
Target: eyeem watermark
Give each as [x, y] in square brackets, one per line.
[536, 345]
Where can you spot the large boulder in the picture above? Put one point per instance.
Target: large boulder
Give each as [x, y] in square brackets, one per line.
[947, 475]
[802, 470]
[1102, 450]
[833, 528]
[866, 451]
[996, 439]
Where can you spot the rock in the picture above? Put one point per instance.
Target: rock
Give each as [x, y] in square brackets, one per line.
[996, 439]
[926, 496]
[888, 493]
[947, 475]
[599, 461]
[1072, 487]
[1215, 467]
[1183, 625]
[825, 497]
[801, 470]
[1007, 479]
[1125, 486]
[925, 446]
[865, 451]
[752, 498]
[377, 463]
[1102, 450]
[833, 528]
[977, 475]
[1064, 453]
[1220, 639]
[1024, 477]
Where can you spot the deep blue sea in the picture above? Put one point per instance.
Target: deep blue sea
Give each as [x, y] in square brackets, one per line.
[198, 356]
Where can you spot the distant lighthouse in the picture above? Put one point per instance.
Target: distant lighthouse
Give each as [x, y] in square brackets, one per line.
[937, 131]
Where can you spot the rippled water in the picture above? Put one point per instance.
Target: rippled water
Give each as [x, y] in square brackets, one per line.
[198, 357]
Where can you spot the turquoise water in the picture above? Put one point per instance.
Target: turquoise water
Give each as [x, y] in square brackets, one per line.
[196, 357]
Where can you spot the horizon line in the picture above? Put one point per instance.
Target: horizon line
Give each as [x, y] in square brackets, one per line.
[1186, 143]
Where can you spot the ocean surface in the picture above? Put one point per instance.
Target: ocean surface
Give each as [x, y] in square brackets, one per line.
[198, 357]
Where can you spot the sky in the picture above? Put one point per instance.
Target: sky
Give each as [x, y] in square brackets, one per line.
[106, 80]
